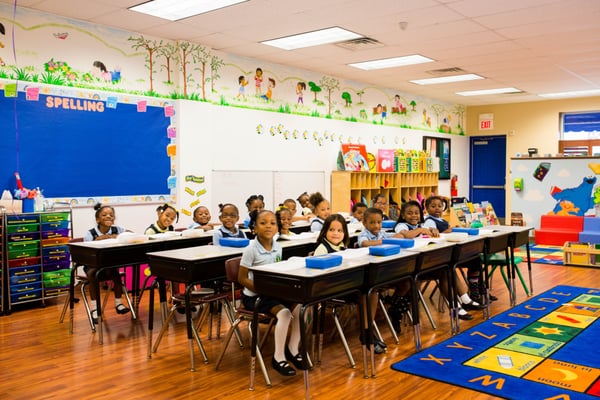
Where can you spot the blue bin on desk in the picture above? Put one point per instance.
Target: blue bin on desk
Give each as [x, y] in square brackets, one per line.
[470, 231]
[388, 224]
[403, 243]
[233, 242]
[384, 250]
[324, 261]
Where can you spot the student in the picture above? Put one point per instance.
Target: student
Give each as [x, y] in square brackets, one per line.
[373, 235]
[104, 229]
[284, 221]
[334, 235]
[201, 219]
[229, 216]
[304, 200]
[290, 204]
[435, 206]
[410, 225]
[321, 210]
[380, 201]
[254, 202]
[265, 250]
[358, 211]
[167, 214]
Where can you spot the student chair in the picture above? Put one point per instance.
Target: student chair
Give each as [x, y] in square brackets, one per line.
[204, 298]
[498, 261]
[81, 281]
[241, 314]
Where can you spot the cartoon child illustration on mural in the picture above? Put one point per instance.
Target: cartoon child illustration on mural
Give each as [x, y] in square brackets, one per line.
[258, 78]
[300, 88]
[101, 72]
[399, 108]
[242, 88]
[267, 96]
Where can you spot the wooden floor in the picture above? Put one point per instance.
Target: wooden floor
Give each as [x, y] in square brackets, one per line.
[39, 359]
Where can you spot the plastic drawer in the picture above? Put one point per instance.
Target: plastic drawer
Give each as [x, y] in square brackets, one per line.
[54, 217]
[25, 270]
[56, 282]
[56, 291]
[22, 219]
[23, 236]
[57, 274]
[24, 279]
[57, 241]
[27, 287]
[64, 264]
[22, 228]
[21, 262]
[55, 233]
[23, 246]
[23, 254]
[26, 295]
[53, 226]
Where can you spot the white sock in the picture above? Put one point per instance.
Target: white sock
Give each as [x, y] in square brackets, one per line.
[281, 329]
[295, 334]
[118, 302]
[95, 313]
[462, 312]
[465, 299]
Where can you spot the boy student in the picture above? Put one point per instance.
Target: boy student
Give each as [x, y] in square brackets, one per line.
[380, 202]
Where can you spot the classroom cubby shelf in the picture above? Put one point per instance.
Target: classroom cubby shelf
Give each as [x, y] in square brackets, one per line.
[347, 186]
[35, 258]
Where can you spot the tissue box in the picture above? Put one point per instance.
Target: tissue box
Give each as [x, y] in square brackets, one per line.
[388, 224]
[233, 242]
[384, 250]
[470, 231]
[11, 206]
[324, 261]
[404, 243]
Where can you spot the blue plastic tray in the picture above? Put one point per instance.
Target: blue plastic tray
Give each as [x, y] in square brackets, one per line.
[384, 250]
[470, 231]
[388, 224]
[324, 261]
[233, 242]
[404, 243]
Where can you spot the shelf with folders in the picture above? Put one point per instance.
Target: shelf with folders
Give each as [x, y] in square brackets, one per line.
[349, 187]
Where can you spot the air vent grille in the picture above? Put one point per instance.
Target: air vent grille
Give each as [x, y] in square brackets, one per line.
[446, 71]
[360, 44]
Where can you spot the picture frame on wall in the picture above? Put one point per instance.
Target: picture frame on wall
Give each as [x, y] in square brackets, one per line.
[440, 148]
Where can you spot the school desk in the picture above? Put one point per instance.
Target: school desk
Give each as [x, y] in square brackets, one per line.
[291, 281]
[194, 265]
[110, 253]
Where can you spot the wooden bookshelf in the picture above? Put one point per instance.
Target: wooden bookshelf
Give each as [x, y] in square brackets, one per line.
[348, 186]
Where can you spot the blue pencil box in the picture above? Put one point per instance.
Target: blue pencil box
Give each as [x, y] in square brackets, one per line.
[470, 231]
[233, 242]
[403, 243]
[323, 262]
[384, 250]
[388, 224]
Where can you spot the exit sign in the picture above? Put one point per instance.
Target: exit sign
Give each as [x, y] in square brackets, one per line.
[486, 122]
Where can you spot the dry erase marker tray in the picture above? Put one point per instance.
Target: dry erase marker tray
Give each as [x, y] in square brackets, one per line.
[384, 250]
[233, 242]
[404, 243]
[323, 262]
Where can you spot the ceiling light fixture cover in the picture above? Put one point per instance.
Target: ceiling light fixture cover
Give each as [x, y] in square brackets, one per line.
[174, 10]
[314, 38]
[392, 62]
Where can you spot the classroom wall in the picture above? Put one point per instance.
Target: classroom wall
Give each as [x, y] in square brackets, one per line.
[532, 124]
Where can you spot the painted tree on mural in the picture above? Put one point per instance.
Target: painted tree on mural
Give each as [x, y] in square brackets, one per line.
[185, 50]
[215, 65]
[201, 56]
[315, 89]
[330, 84]
[347, 98]
[151, 47]
[438, 109]
[459, 111]
[169, 52]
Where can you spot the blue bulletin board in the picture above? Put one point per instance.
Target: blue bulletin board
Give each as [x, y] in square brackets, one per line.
[83, 147]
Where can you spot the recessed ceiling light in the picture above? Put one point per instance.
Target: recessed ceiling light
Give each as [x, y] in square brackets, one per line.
[314, 38]
[174, 10]
[447, 79]
[489, 91]
[391, 62]
[575, 93]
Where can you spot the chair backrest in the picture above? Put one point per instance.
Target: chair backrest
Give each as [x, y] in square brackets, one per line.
[232, 267]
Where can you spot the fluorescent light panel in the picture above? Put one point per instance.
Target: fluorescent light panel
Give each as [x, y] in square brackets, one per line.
[575, 93]
[489, 91]
[314, 38]
[447, 79]
[174, 10]
[391, 62]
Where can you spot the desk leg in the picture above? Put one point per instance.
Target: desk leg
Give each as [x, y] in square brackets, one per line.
[304, 352]
[510, 271]
[415, 315]
[254, 334]
[72, 299]
[368, 346]
[484, 286]
[453, 302]
[188, 323]
[151, 318]
[529, 269]
[99, 306]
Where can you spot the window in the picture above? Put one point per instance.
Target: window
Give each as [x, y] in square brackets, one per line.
[580, 125]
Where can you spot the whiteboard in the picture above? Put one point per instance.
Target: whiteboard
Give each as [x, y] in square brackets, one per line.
[275, 186]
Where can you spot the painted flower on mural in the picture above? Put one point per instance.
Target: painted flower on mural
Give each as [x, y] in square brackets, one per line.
[259, 129]
[87, 77]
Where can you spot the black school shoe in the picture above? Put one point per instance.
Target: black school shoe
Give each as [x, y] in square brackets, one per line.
[378, 346]
[470, 306]
[282, 367]
[121, 309]
[296, 360]
[465, 317]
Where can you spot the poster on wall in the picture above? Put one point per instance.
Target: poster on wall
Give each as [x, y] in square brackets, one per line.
[440, 148]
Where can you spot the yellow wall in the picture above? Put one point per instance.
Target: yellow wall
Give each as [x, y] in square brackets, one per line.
[535, 124]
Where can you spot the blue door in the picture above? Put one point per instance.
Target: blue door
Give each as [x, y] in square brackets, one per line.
[487, 171]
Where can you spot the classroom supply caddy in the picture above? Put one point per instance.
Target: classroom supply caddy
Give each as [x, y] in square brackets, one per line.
[349, 187]
[35, 256]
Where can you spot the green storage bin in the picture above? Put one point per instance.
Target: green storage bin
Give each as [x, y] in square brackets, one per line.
[56, 282]
[24, 245]
[55, 217]
[22, 228]
[12, 255]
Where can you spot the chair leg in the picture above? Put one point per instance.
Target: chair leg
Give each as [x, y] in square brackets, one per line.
[340, 331]
[164, 328]
[129, 302]
[388, 320]
[422, 300]
[232, 329]
[260, 359]
[525, 288]
[86, 304]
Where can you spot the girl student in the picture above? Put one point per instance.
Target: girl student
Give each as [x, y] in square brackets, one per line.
[201, 219]
[265, 250]
[284, 221]
[410, 225]
[334, 235]
[229, 217]
[167, 214]
[254, 202]
[290, 204]
[104, 229]
[321, 210]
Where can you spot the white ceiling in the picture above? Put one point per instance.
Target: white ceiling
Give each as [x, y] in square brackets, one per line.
[538, 46]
